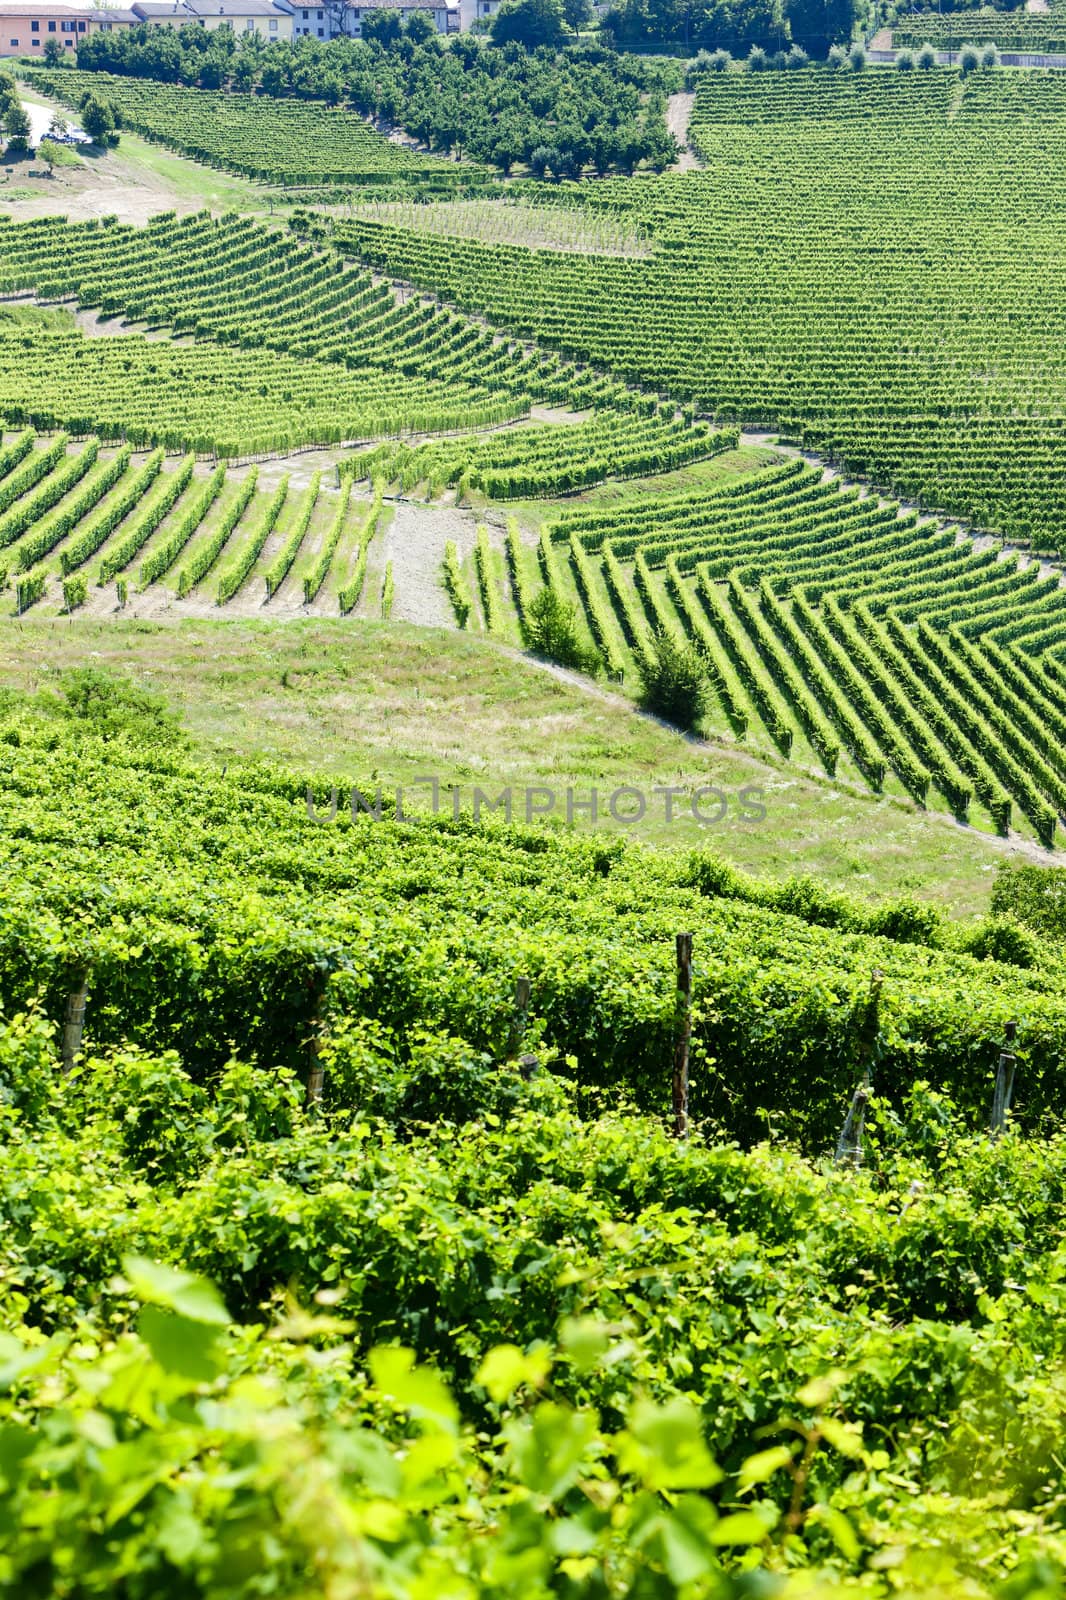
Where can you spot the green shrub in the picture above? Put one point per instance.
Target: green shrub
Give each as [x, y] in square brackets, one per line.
[1002, 939]
[908, 921]
[75, 592]
[674, 682]
[113, 705]
[551, 631]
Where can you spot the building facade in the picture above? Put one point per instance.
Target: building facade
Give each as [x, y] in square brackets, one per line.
[25, 27]
[243, 16]
[310, 22]
[444, 18]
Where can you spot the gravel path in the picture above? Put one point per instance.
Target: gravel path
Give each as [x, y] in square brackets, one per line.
[414, 543]
[678, 116]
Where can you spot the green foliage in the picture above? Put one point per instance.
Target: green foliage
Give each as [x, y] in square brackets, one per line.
[551, 631]
[16, 126]
[100, 119]
[479, 1350]
[425, 926]
[673, 682]
[111, 706]
[496, 1340]
[1035, 896]
[530, 23]
[456, 585]
[75, 592]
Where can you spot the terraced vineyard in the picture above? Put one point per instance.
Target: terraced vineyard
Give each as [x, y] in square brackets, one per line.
[216, 400]
[870, 262]
[866, 642]
[393, 1202]
[314, 350]
[283, 142]
[517, 463]
[1041, 33]
[86, 526]
[419, 1232]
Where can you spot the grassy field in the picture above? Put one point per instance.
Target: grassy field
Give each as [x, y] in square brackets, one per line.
[387, 703]
[135, 181]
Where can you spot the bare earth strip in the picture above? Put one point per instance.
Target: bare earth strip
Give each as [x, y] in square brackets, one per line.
[414, 542]
[678, 115]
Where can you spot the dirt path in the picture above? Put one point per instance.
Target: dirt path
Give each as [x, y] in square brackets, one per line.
[414, 542]
[678, 115]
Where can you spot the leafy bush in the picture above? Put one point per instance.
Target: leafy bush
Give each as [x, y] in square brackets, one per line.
[75, 592]
[926, 57]
[910, 921]
[969, 59]
[551, 631]
[707, 61]
[1033, 895]
[28, 1063]
[905, 60]
[1002, 939]
[674, 681]
[112, 706]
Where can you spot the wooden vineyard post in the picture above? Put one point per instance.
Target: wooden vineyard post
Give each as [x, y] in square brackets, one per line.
[849, 1145]
[74, 1018]
[527, 1063]
[522, 991]
[316, 1072]
[683, 1033]
[1004, 1090]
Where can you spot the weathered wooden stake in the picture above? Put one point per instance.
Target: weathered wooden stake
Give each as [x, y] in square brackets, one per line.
[74, 1019]
[683, 1033]
[1004, 1090]
[519, 1017]
[849, 1145]
[316, 1072]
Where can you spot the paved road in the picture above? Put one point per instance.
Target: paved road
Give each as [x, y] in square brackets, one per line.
[40, 120]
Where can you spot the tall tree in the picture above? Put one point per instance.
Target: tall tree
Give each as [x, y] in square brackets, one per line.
[529, 23]
[577, 14]
[818, 24]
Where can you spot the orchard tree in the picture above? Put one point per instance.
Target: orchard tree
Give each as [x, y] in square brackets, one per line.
[49, 152]
[419, 27]
[577, 14]
[529, 23]
[382, 26]
[818, 24]
[17, 129]
[508, 145]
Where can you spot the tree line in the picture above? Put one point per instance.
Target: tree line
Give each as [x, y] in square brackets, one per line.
[550, 109]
